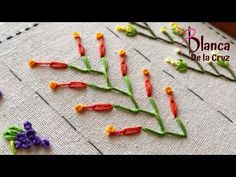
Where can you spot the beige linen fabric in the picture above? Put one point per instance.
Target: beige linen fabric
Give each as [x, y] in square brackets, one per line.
[27, 96]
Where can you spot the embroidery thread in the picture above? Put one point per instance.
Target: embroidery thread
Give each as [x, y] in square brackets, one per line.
[102, 107]
[178, 32]
[23, 138]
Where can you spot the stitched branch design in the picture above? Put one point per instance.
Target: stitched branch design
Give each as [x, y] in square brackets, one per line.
[102, 107]
[131, 30]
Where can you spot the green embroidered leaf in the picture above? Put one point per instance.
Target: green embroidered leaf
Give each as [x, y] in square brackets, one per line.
[11, 132]
[16, 128]
[222, 63]
[86, 62]
[181, 66]
[9, 137]
[131, 31]
[12, 146]
[128, 83]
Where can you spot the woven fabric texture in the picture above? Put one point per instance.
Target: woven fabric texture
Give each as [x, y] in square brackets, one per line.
[28, 97]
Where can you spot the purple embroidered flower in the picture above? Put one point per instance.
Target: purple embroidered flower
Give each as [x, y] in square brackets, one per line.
[21, 136]
[27, 125]
[31, 137]
[17, 144]
[31, 132]
[45, 143]
[25, 146]
[36, 141]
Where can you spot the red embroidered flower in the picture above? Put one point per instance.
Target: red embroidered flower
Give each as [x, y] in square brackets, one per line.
[102, 49]
[100, 107]
[53, 85]
[111, 130]
[172, 102]
[79, 43]
[123, 63]
[148, 84]
[54, 64]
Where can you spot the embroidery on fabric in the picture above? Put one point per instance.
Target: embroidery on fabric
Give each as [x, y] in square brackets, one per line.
[131, 30]
[102, 107]
[23, 138]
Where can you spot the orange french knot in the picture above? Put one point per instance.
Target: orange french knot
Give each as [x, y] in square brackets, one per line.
[79, 108]
[76, 35]
[146, 72]
[110, 129]
[53, 85]
[99, 35]
[32, 63]
[168, 90]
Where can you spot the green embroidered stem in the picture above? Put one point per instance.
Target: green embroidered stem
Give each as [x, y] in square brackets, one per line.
[147, 112]
[168, 36]
[107, 88]
[154, 105]
[161, 39]
[150, 29]
[82, 70]
[133, 111]
[180, 44]
[212, 74]
[134, 102]
[86, 62]
[181, 125]
[188, 57]
[231, 72]
[99, 87]
[208, 72]
[96, 71]
[76, 68]
[128, 83]
[139, 25]
[105, 65]
[130, 91]
[12, 147]
[214, 68]
[120, 91]
[107, 80]
[176, 134]
[154, 37]
[158, 117]
[125, 109]
[148, 130]
[161, 134]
